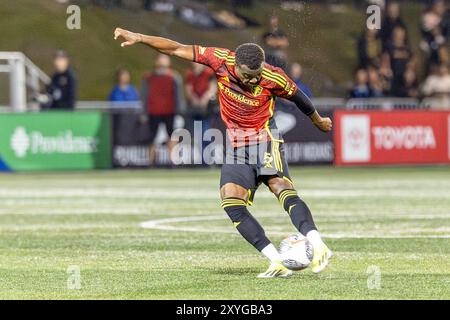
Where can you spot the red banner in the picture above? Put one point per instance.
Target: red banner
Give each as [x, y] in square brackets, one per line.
[392, 137]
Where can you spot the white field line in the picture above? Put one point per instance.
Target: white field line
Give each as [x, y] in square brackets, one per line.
[155, 193]
[123, 209]
[369, 182]
[57, 227]
[163, 224]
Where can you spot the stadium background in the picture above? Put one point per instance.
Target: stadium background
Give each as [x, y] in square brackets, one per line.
[154, 232]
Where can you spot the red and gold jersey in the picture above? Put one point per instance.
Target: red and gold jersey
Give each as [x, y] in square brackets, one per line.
[246, 111]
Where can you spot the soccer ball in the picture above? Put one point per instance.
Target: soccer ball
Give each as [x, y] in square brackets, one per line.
[296, 252]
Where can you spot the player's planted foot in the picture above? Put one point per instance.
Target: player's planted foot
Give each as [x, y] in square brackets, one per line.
[276, 270]
[322, 255]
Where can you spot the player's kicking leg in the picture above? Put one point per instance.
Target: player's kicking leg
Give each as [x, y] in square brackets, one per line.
[302, 219]
[234, 202]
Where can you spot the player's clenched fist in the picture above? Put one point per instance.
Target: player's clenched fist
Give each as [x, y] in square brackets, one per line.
[129, 37]
[324, 124]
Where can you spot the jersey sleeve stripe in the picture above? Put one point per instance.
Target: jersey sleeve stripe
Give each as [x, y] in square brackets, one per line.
[230, 60]
[280, 80]
[220, 54]
[220, 57]
[217, 54]
[221, 51]
[274, 80]
[276, 76]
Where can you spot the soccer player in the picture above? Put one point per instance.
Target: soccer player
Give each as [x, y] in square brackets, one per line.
[247, 86]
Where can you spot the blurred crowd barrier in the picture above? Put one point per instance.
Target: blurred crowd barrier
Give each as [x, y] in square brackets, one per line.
[391, 137]
[55, 140]
[103, 135]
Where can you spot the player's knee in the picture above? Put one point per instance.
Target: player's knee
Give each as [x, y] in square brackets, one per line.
[235, 208]
[231, 190]
[277, 185]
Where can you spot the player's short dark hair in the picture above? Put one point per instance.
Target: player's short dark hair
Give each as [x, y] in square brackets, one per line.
[250, 54]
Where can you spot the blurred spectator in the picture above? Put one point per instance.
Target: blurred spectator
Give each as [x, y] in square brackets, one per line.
[369, 48]
[410, 88]
[163, 99]
[296, 76]
[123, 90]
[147, 4]
[361, 88]
[61, 91]
[376, 85]
[437, 86]
[445, 22]
[391, 21]
[275, 44]
[398, 56]
[201, 89]
[435, 23]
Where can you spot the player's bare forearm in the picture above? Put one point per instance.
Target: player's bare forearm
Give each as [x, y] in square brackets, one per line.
[169, 47]
[160, 44]
[324, 124]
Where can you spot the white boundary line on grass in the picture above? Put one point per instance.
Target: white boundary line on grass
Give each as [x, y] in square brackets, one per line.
[163, 224]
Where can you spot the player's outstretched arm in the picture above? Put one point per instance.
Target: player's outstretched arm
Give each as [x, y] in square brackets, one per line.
[163, 45]
[305, 105]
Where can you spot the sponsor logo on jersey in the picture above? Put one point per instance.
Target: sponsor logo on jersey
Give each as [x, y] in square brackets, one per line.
[268, 159]
[256, 90]
[237, 96]
[290, 88]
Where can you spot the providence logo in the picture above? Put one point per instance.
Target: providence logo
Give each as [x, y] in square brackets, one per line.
[35, 142]
[20, 142]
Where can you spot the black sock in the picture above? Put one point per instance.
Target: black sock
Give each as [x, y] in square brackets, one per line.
[298, 211]
[245, 223]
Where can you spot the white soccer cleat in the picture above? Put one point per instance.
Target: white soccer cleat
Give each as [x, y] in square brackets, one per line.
[321, 258]
[276, 270]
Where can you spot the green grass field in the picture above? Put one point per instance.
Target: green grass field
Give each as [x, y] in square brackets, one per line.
[395, 220]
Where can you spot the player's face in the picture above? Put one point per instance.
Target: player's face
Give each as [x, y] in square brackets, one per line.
[247, 76]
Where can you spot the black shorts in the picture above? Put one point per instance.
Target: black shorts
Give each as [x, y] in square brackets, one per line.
[154, 122]
[250, 166]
